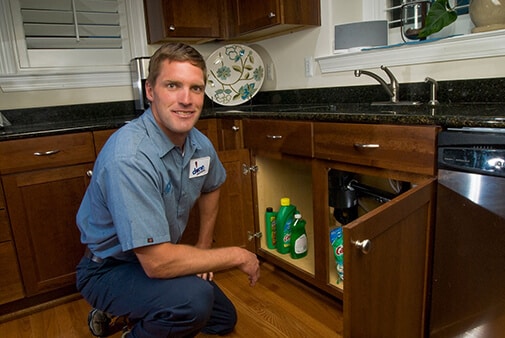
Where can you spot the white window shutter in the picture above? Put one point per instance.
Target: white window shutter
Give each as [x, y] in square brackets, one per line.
[71, 24]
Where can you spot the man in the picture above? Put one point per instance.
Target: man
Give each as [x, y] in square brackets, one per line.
[136, 208]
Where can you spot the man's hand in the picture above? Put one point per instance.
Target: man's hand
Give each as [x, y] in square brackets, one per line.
[207, 276]
[251, 267]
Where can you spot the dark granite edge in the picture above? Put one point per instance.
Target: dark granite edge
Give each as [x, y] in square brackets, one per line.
[483, 107]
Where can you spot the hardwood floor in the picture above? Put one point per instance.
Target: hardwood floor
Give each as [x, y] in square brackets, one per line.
[277, 306]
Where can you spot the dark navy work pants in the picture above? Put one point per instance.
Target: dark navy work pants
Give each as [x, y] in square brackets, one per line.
[177, 307]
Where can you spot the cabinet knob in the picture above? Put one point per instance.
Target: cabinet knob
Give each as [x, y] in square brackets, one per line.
[235, 128]
[89, 173]
[365, 246]
[171, 28]
[271, 15]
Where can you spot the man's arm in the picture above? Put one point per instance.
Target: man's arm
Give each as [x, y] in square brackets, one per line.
[167, 260]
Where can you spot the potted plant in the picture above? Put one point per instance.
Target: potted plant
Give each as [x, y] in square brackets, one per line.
[440, 15]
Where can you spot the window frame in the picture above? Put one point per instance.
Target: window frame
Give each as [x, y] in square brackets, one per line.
[16, 74]
[463, 47]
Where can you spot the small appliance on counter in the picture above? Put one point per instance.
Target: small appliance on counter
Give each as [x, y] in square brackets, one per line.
[139, 69]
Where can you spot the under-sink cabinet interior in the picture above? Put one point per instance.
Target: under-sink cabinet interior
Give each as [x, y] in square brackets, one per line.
[386, 226]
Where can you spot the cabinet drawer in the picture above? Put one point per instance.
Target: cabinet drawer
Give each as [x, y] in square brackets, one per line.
[100, 137]
[288, 137]
[402, 148]
[46, 152]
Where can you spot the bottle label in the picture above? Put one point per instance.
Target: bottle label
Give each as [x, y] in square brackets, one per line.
[301, 244]
[273, 229]
[287, 234]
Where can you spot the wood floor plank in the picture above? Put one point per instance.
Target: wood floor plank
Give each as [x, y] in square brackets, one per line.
[277, 306]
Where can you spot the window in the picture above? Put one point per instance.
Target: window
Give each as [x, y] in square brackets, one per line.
[393, 9]
[69, 43]
[457, 44]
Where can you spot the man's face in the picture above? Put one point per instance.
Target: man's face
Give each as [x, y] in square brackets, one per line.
[177, 99]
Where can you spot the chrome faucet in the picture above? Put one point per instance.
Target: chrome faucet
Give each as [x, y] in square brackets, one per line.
[433, 91]
[393, 88]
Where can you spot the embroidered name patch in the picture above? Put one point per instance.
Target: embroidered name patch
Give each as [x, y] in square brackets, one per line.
[199, 166]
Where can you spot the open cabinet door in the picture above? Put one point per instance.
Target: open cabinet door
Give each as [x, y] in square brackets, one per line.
[385, 288]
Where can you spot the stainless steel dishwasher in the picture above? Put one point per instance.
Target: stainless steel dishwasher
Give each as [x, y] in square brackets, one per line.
[468, 284]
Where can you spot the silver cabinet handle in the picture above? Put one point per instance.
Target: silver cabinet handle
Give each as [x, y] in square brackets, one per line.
[171, 28]
[46, 153]
[235, 128]
[365, 246]
[271, 15]
[89, 173]
[274, 137]
[367, 145]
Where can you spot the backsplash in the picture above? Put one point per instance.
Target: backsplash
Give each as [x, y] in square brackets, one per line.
[480, 90]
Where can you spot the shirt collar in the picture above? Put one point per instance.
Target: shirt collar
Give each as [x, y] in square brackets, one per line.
[162, 142]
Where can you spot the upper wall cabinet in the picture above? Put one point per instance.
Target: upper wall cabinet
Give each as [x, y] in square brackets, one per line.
[194, 21]
[266, 18]
[199, 21]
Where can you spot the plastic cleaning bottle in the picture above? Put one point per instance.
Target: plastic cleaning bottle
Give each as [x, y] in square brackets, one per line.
[271, 229]
[298, 248]
[284, 221]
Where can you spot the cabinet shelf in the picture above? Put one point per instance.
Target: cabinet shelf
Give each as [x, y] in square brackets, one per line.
[286, 178]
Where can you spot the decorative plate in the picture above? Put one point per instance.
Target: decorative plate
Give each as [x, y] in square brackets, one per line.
[235, 75]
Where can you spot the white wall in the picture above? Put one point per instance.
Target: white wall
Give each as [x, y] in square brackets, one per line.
[287, 54]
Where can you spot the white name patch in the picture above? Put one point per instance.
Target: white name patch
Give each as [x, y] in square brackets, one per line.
[199, 166]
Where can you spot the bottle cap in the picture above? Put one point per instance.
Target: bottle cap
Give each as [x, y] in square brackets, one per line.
[269, 209]
[285, 201]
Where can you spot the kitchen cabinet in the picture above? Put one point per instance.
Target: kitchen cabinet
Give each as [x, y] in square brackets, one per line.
[11, 286]
[386, 248]
[267, 18]
[44, 180]
[193, 21]
[198, 21]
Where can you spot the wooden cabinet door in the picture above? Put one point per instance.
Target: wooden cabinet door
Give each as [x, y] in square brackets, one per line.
[253, 15]
[235, 220]
[230, 134]
[264, 18]
[11, 287]
[385, 289]
[42, 207]
[173, 19]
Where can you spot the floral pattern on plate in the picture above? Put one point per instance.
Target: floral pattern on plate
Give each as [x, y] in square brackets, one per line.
[235, 75]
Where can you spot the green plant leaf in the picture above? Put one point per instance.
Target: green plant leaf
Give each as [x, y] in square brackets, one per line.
[440, 15]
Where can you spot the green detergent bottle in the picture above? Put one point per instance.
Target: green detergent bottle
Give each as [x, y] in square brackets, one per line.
[270, 226]
[298, 248]
[284, 221]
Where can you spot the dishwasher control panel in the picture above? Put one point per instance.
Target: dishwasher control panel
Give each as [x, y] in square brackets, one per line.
[490, 161]
[471, 151]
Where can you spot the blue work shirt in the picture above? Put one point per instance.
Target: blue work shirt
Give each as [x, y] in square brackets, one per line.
[143, 188]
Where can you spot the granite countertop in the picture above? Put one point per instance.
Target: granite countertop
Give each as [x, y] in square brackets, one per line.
[58, 120]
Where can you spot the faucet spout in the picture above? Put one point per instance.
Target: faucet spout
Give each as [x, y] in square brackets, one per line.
[393, 88]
